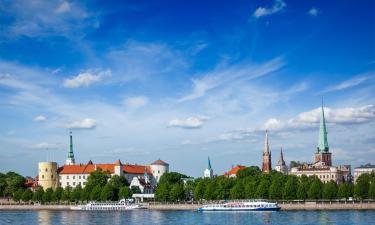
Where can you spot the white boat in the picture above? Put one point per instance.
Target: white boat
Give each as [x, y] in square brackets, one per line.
[243, 205]
[114, 206]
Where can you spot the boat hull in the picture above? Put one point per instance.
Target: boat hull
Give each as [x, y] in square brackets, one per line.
[237, 209]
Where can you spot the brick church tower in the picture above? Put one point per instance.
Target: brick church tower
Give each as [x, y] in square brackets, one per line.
[322, 152]
[266, 166]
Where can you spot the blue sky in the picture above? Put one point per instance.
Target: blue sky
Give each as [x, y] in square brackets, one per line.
[182, 81]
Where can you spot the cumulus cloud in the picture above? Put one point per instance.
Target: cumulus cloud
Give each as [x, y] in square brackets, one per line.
[86, 78]
[40, 118]
[135, 102]
[189, 123]
[310, 119]
[276, 7]
[86, 123]
[313, 12]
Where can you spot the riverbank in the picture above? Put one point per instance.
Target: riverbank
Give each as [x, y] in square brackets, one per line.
[160, 206]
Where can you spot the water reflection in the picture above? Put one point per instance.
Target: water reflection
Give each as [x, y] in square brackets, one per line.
[44, 217]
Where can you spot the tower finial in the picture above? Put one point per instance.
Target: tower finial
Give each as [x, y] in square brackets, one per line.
[70, 159]
[323, 140]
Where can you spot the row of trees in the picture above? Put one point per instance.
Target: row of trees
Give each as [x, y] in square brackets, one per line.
[252, 183]
[100, 186]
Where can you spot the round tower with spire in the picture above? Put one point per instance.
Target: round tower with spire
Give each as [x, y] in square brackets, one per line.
[281, 166]
[70, 159]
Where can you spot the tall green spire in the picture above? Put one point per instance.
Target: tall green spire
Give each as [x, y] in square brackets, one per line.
[323, 142]
[70, 160]
[209, 163]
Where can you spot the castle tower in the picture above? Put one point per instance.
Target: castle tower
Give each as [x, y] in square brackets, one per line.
[281, 166]
[119, 168]
[322, 154]
[266, 167]
[47, 175]
[158, 168]
[70, 160]
[208, 172]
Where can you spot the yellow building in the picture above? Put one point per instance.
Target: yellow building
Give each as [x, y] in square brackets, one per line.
[47, 176]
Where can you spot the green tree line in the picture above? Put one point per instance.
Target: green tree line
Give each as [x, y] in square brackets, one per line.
[251, 183]
[100, 186]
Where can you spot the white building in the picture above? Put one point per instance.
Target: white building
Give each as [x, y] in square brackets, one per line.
[358, 171]
[208, 172]
[281, 166]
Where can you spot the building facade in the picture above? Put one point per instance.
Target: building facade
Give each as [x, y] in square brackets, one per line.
[233, 172]
[281, 166]
[72, 174]
[266, 165]
[358, 171]
[322, 167]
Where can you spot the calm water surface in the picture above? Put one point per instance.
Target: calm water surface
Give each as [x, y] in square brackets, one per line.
[45, 217]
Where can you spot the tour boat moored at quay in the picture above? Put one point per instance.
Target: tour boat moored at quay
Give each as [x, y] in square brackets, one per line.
[115, 206]
[245, 205]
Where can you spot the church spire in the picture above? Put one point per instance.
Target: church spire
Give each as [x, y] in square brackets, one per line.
[70, 160]
[323, 141]
[209, 164]
[281, 161]
[266, 166]
[266, 148]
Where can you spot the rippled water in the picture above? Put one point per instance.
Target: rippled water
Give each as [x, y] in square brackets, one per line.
[44, 217]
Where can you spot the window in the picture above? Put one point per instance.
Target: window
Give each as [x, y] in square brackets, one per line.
[74, 177]
[74, 183]
[84, 183]
[67, 177]
[84, 177]
[46, 170]
[52, 176]
[42, 176]
[158, 171]
[67, 183]
[79, 177]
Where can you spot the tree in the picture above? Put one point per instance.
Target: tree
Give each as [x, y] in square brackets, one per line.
[95, 193]
[47, 196]
[124, 192]
[27, 195]
[38, 194]
[223, 186]
[238, 190]
[371, 191]
[56, 196]
[117, 182]
[66, 193]
[262, 189]
[17, 195]
[97, 178]
[303, 187]
[162, 192]
[107, 193]
[251, 189]
[209, 193]
[315, 190]
[330, 190]
[290, 188]
[199, 189]
[361, 188]
[171, 178]
[85, 194]
[135, 189]
[2, 184]
[76, 194]
[248, 171]
[177, 192]
[276, 188]
[345, 190]
[14, 182]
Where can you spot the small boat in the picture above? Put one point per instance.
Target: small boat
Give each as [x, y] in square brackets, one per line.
[244, 205]
[113, 206]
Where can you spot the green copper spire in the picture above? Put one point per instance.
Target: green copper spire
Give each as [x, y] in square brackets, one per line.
[70, 160]
[209, 163]
[323, 142]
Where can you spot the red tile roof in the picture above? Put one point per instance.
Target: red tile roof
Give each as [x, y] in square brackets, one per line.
[88, 168]
[234, 170]
[160, 162]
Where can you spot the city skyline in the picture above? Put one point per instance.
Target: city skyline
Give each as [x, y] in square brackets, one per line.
[186, 82]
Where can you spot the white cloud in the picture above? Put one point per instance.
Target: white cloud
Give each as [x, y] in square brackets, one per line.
[355, 81]
[189, 123]
[86, 78]
[135, 102]
[310, 119]
[313, 12]
[228, 75]
[46, 145]
[40, 118]
[186, 142]
[276, 7]
[63, 7]
[86, 123]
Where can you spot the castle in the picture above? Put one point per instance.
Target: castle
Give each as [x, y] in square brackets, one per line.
[71, 174]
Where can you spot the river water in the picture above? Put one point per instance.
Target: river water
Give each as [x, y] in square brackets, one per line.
[45, 217]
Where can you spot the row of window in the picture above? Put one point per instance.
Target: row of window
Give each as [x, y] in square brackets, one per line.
[43, 176]
[74, 183]
[74, 177]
